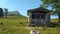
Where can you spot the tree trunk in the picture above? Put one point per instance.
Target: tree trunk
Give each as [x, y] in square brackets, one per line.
[59, 17]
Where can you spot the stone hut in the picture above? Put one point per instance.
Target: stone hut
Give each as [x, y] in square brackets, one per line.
[38, 16]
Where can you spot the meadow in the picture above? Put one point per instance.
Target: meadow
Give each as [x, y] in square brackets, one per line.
[18, 25]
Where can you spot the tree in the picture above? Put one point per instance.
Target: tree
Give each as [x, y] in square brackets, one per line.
[6, 12]
[1, 12]
[55, 4]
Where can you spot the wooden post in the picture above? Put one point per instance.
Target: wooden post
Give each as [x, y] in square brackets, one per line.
[47, 18]
[30, 18]
[40, 18]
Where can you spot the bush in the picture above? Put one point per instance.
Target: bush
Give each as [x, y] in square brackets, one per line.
[1, 23]
[21, 23]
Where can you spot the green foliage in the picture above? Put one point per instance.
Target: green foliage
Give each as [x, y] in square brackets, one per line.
[55, 4]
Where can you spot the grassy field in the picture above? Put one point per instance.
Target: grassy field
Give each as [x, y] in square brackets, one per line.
[18, 25]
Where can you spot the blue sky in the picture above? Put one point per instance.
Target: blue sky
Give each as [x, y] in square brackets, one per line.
[21, 5]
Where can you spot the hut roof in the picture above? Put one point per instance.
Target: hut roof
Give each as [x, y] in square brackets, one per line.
[40, 9]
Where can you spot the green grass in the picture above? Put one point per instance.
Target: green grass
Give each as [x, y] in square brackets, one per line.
[18, 25]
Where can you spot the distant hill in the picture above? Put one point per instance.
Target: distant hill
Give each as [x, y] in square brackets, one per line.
[54, 20]
[14, 13]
